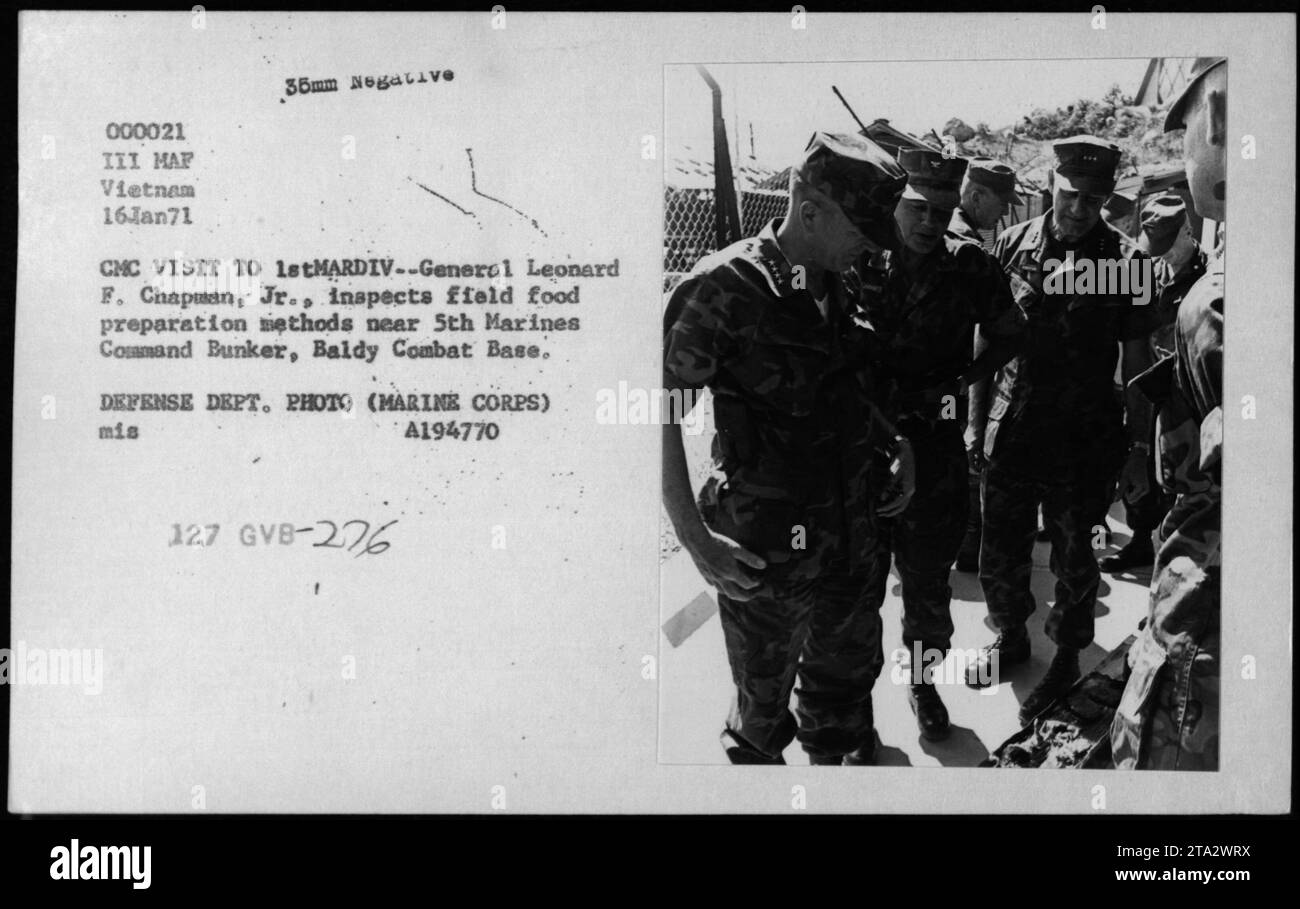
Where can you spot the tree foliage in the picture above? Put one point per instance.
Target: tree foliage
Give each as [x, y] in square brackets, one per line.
[1137, 130]
[1112, 117]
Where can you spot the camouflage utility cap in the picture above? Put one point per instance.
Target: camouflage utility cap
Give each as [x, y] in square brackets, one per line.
[860, 177]
[1163, 218]
[932, 177]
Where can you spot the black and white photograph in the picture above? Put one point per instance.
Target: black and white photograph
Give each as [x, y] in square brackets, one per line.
[958, 502]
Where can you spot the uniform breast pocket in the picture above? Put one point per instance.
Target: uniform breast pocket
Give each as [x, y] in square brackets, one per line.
[785, 376]
[1024, 290]
[1042, 327]
[1102, 315]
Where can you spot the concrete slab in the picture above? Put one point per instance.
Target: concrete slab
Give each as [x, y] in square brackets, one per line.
[695, 682]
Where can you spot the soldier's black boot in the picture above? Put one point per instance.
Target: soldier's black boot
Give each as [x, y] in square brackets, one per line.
[1063, 673]
[825, 760]
[931, 715]
[1138, 553]
[741, 752]
[1007, 649]
[864, 756]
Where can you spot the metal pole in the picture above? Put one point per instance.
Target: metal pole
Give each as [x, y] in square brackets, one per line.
[726, 209]
[850, 109]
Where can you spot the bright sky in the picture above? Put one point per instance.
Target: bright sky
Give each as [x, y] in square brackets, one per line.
[788, 102]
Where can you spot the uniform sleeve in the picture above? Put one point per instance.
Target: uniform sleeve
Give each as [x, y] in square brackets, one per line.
[700, 331]
[1004, 254]
[1185, 582]
[996, 312]
[1205, 352]
[1206, 349]
[1191, 440]
[1185, 579]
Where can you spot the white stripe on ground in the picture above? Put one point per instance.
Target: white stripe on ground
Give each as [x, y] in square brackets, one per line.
[687, 620]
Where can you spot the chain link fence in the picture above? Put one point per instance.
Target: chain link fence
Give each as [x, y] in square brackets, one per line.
[689, 231]
[759, 206]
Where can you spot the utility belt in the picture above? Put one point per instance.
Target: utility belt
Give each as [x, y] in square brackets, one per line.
[1068, 392]
[783, 482]
[741, 442]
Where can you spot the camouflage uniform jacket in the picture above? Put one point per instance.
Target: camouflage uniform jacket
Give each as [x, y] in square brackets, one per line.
[1184, 607]
[923, 326]
[1054, 404]
[791, 397]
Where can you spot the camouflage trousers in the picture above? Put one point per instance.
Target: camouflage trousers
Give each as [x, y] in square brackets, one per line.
[824, 632]
[1073, 507]
[970, 544]
[924, 539]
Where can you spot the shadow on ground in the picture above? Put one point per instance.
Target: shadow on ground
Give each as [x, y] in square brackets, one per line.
[962, 748]
[889, 756]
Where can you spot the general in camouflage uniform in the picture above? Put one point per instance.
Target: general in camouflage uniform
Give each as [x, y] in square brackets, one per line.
[1168, 718]
[796, 439]
[1180, 263]
[922, 304]
[987, 189]
[1055, 433]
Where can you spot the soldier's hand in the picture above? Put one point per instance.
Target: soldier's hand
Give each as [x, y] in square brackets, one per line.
[728, 566]
[902, 481]
[1133, 483]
